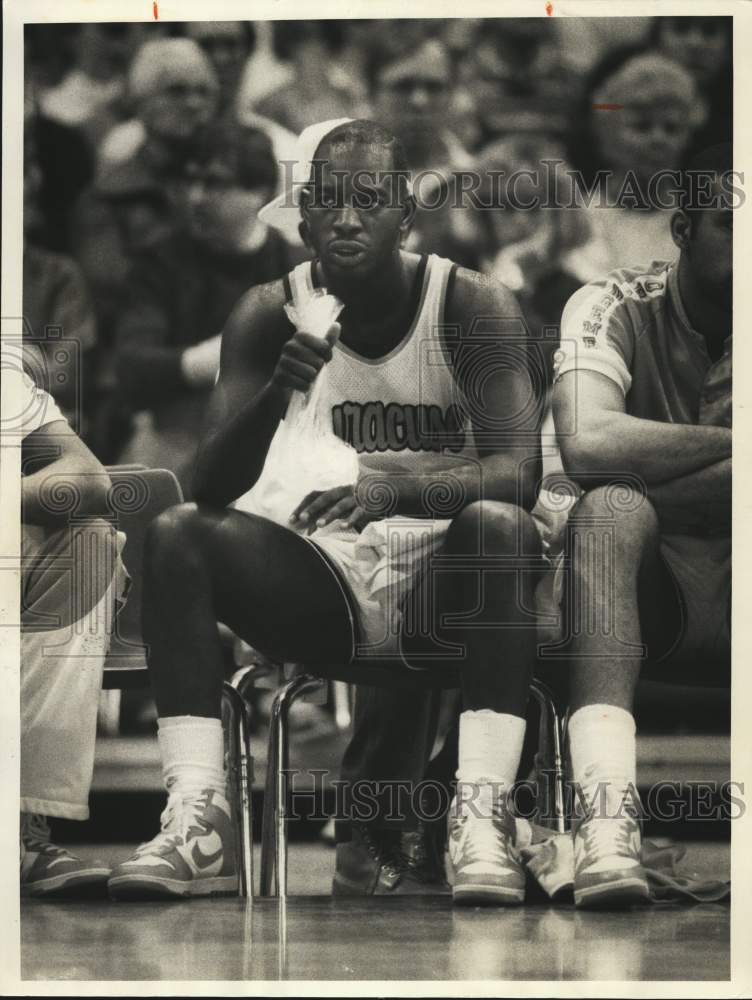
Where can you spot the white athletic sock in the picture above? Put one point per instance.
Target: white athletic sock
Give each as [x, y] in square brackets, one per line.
[602, 751]
[193, 752]
[490, 747]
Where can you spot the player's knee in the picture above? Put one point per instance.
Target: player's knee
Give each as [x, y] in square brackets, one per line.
[493, 527]
[622, 511]
[172, 534]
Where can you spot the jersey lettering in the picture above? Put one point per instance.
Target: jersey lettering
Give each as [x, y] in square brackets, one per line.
[379, 427]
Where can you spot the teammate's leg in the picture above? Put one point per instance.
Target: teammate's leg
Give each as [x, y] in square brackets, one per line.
[621, 606]
[478, 598]
[274, 590]
[381, 843]
[69, 589]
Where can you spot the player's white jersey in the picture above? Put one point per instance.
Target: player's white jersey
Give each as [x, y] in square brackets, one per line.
[402, 411]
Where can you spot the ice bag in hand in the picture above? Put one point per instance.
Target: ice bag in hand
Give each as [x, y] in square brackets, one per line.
[305, 454]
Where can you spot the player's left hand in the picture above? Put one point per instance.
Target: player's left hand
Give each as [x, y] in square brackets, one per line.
[321, 507]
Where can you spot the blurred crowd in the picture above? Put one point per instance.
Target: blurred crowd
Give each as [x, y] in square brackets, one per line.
[151, 147]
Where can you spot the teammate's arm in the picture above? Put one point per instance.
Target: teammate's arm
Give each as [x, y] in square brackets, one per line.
[261, 363]
[599, 440]
[55, 459]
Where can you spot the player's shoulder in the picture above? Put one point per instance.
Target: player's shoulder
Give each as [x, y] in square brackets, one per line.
[257, 327]
[473, 296]
[261, 307]
[629, 294]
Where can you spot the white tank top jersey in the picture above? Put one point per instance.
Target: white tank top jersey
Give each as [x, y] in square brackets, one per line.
[402, 411]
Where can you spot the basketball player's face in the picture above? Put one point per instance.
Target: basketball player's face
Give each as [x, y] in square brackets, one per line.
[354, 214]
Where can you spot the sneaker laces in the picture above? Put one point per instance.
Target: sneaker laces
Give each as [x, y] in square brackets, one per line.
[606, 837]
[35, 839]
[179, 815]
[479, 818]
[35, 831]
[486, 840]
[608, 825]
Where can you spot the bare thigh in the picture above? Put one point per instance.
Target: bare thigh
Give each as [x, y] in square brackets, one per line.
[271, 587]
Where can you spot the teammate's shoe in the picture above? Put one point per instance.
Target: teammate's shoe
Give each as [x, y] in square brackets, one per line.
[487, 867]
[608, 873]
[49, 870]
[193, 855]
[386, 863]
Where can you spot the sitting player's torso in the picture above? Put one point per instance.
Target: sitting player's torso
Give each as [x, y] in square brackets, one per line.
[639, 312]
[399, 405]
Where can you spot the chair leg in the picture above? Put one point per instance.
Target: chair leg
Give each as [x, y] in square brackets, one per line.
[274, 825]
[235, 713]
[551, 729]
[342, 714]
[108, 712]
[267, 873]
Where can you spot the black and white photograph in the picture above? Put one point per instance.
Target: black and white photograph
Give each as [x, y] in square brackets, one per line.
[366, 593]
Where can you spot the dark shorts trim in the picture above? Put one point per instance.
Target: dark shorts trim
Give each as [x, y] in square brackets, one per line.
[353, 613]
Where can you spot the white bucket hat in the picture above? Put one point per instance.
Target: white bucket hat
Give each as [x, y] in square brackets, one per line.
[283, 212]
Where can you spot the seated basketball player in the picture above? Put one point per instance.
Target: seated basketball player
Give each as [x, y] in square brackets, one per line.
[430, 381]
[70, 578]
[644, 379]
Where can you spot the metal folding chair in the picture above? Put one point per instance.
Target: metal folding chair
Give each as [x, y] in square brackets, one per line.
[273, 874]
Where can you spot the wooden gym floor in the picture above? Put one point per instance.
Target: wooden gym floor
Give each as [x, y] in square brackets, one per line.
[315, 937]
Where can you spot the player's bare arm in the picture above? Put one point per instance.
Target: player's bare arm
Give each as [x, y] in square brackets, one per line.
[260, 365]
[608, 441]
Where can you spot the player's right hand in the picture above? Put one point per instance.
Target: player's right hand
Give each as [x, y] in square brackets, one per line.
[302, 358]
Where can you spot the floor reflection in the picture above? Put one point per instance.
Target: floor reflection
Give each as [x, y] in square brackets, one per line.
[321, 938]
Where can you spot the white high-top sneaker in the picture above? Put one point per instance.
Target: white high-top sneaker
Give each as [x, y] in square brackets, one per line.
[194, 854]
[482, 850]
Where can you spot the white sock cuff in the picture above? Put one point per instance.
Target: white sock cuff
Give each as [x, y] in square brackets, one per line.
[171, 721]
[490, 746]
[192, 749]
[589, 716]
[602, 748]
